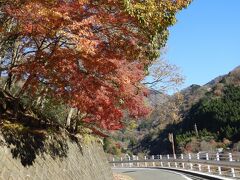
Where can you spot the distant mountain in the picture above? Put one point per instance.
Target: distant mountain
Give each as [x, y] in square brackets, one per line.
[236, 68]
[155, 97]
[214, 81]
[151, 134]
[157, 140]
[194, 93]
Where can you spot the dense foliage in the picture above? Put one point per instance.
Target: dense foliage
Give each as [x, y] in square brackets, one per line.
[220, 115]
[91, 55]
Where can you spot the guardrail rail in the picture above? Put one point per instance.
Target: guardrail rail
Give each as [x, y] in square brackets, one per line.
[224, 165]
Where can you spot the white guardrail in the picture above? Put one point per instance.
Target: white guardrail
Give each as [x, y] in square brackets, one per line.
[225, 165]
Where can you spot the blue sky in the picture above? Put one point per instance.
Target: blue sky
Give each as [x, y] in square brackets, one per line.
[205, 42]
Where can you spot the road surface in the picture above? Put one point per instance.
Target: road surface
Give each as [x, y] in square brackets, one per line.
[149, 174]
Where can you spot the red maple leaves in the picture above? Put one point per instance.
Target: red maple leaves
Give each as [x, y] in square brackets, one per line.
[88, 53]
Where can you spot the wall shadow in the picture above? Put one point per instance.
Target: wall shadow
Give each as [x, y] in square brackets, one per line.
[26, 144]
[28, 135]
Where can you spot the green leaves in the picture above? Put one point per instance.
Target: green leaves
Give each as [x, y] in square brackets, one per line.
[218, 114]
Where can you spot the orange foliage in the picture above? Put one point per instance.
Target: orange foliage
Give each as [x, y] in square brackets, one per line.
[87, 53]
[92, 54]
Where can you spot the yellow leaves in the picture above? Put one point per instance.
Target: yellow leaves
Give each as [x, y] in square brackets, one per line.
[50, 14]
[82, 2]
[154, 12]
[154, 17]
[132, 125]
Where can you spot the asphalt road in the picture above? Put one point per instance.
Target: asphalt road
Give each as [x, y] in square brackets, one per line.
[150, 174]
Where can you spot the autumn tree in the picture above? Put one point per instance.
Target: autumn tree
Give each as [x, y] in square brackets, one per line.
[93, 55]
[166, 112]
[163, 76]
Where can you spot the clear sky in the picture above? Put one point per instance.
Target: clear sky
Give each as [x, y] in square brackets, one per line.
[205, 43]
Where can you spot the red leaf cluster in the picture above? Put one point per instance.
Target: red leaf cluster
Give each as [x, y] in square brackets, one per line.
[87, 53]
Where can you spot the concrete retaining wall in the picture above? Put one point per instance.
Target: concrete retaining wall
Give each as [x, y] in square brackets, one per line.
[81, 163]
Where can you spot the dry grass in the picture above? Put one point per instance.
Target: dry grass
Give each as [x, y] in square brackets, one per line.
[121, 177]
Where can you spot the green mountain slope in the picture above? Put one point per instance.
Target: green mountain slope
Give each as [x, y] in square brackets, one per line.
[209, 119]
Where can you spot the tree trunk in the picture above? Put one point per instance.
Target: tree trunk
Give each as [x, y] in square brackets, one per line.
[39, 99]
[69, 117]
[15, 59]
[1, 63]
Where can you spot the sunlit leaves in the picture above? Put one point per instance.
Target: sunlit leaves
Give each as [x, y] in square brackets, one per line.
[90, 54]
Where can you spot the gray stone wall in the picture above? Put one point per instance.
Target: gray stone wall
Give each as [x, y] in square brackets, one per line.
[81, 163]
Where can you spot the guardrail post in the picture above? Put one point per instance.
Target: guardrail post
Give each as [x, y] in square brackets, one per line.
[208, 166]
[183, 165]
[169, 164]
[207, 157]
[199, 165]
[137, 162]
[129, 164]
[175, 157]
[190, 157]
[145, 157]
[198, 156]
[230, 157]
[233, 172]
[176, 165]
[122, 160]
[217, 156]
[153, 159]
[209, 169]
[219, 170]
[113, 162]
[232, 169]
[161, 163]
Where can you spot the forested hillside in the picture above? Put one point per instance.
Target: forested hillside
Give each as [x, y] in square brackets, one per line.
[216, 115]
[202, 118]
